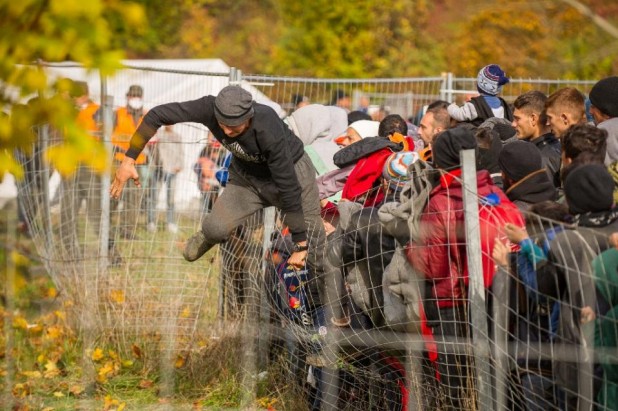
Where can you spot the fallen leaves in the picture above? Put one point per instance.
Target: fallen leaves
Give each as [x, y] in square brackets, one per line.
[51, 370]
[144, 384]
[117, 296]
[97, 355]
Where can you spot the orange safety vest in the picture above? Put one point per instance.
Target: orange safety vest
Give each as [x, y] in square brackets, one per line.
[125, 127]
[85, 118]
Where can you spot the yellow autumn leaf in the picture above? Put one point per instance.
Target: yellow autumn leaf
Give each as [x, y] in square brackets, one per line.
[21, 390]
[97, 354]
[117, 296]
[35, 328]
[60, 315]
[64, 158]
[48, 409]
[112, 354]
[127, 363]
[51, 369]
[19, 259]
[180, 362]
[106, 369]
[76, 389]
[108, 402]
[32, 374]
[54, 332]
[186, 312]
[101, 379]
[58, 394]
[52, 292]
[20, 322]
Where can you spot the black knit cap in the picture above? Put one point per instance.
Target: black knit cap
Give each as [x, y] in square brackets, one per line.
[589, 188]
[233, 106]
[449, 143]
[604, 96]
[519, 158]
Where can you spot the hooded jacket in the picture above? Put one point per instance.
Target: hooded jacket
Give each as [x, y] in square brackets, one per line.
[532, 189]
[568, 277]
[317, 126]
[439, 254]
[370, 154]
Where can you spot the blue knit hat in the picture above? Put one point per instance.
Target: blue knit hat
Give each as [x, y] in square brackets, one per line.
[395, 170]
[490, 80]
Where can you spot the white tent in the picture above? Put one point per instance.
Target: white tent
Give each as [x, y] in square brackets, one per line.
[179, 82]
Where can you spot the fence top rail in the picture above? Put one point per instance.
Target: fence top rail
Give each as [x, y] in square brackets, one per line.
[263, 77]
[270, 78]
[535, 80]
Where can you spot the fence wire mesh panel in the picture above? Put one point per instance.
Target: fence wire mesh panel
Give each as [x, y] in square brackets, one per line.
[458, 88]
[444, 297]
[377, 97]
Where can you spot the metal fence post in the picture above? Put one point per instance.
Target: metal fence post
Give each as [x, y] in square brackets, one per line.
[449, 87]
[476, 291]
[106, 136]
[443, 86]
[264, 313]
[45, 175]
[235, 76]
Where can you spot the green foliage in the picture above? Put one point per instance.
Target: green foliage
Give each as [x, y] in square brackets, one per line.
[350, 39]
[547, 40]
[374, 38]
[50, 31]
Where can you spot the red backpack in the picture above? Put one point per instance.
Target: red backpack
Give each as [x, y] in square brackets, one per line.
[495, 210]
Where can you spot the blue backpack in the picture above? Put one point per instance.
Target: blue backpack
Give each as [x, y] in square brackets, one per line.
[290, 295]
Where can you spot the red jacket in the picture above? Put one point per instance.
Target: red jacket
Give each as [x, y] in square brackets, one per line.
[365, 176]
[440, 252]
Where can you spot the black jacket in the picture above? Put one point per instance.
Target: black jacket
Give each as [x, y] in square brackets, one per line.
[351, 154]
[484, 111]
[549, 146]
[268, 150]
[532, 189]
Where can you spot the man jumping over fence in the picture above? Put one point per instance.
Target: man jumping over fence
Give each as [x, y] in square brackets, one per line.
[269, 168]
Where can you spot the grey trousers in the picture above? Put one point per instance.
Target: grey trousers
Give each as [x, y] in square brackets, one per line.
[245, 194]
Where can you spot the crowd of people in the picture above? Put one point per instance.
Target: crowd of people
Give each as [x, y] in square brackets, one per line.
[380, 202]
[386, 211]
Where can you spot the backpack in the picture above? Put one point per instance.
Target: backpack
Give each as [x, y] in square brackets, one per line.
[289, 293]
[494, 212]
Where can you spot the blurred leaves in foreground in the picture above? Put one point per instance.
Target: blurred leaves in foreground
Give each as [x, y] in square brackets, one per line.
[35, 31]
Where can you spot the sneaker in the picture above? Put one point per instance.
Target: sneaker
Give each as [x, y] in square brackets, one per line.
[152, 228]
[195, 247]
[172, 228]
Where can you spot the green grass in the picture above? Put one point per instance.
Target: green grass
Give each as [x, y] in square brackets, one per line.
[47, 352]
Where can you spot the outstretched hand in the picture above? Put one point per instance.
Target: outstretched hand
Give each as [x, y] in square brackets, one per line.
[514, 233]
[125, 172]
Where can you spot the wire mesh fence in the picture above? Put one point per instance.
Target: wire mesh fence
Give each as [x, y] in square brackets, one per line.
[417, 310]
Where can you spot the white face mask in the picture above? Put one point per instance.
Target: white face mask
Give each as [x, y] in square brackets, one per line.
[135, 103]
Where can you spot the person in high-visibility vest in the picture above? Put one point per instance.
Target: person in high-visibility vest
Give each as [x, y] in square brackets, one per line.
[126, 121]
[84, 184]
